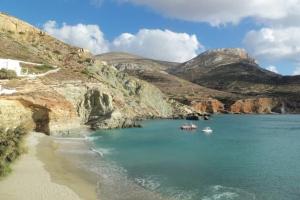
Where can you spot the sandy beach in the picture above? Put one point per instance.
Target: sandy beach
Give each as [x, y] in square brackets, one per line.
[41, 175]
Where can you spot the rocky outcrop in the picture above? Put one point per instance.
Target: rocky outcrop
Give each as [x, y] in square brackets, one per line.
[134, 96]
[11, 24]
[42, 112]
[212, 59]
[259, 106]
[14, 114]
[208, 106]
[116, 100]
[112, 100]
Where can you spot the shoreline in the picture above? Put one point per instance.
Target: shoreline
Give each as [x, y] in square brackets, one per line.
[44, 174]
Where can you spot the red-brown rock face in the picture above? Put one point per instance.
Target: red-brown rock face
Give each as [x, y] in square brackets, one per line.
[208, 106]
[260, 106]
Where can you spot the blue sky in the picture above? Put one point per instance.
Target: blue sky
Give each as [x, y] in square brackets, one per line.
[215, 27]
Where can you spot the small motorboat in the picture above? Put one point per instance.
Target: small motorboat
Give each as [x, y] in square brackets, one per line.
[188, 127]
[207, 130]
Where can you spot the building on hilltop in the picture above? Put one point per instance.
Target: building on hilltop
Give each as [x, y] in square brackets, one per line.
[9, 64]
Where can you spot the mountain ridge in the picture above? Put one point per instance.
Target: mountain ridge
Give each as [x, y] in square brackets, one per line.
[227, 75]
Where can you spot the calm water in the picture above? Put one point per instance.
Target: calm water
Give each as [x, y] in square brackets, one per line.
[246, 157]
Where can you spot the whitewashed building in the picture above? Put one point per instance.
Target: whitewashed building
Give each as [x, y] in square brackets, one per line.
[9, 64]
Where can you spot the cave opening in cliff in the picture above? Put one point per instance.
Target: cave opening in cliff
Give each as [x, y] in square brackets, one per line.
[41, 119]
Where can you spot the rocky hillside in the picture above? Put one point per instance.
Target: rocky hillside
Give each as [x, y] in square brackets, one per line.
[83, 93]
[234, 71]
[128, 62]
[220, 80]
[156, 72]
[225, 69]
[114, 90]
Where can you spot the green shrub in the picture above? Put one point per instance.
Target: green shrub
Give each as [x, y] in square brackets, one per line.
[11, 147]
[10, 32]
[36, 69]
[88, 60]
[57, 52]
[4, 169]
[7, 74]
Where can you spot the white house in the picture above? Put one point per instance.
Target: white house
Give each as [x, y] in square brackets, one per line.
[15, 65]
[11, 65]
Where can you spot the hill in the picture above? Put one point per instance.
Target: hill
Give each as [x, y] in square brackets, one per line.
[229, 76]
[234, 71]
[83, 93]
[156, 72]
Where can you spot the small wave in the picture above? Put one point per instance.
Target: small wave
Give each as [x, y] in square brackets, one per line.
[97, 152]
[219, 192]
[74, 151]
[224, 195]
[92, 138]
[69, 138]
[180, 194]
[114, 183]
[150, 182]
[101, 151]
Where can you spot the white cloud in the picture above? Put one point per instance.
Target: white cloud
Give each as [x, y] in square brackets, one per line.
[86, 36]
[296, 71]
[273, 69]
[279, 40]
[151, 43]
[159, 44]
[275, 43]
[217, 12]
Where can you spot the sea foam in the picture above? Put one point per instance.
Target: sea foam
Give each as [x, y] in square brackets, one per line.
[219, 192]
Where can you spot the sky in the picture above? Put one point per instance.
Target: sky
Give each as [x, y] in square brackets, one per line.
[172, 30]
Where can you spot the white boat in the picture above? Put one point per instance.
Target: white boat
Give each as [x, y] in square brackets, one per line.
[189, 127]
[207, 130]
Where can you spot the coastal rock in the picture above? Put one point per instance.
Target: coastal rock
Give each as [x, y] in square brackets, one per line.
[14, 114]
[259, 106]
[180, 111]
[144, 99]
[208, 106]
[193, 116]
[45, 112]
[116, 100]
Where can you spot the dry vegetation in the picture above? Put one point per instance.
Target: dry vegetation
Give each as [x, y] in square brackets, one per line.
[11, 147]
[36, 69]
[7, 74]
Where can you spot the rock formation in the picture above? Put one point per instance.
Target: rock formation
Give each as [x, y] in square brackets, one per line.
[208, 106]
[259, 106]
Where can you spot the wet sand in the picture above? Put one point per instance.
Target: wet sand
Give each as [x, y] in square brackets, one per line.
[44, 174]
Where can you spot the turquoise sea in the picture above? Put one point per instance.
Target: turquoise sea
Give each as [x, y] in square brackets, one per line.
[246, 157]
